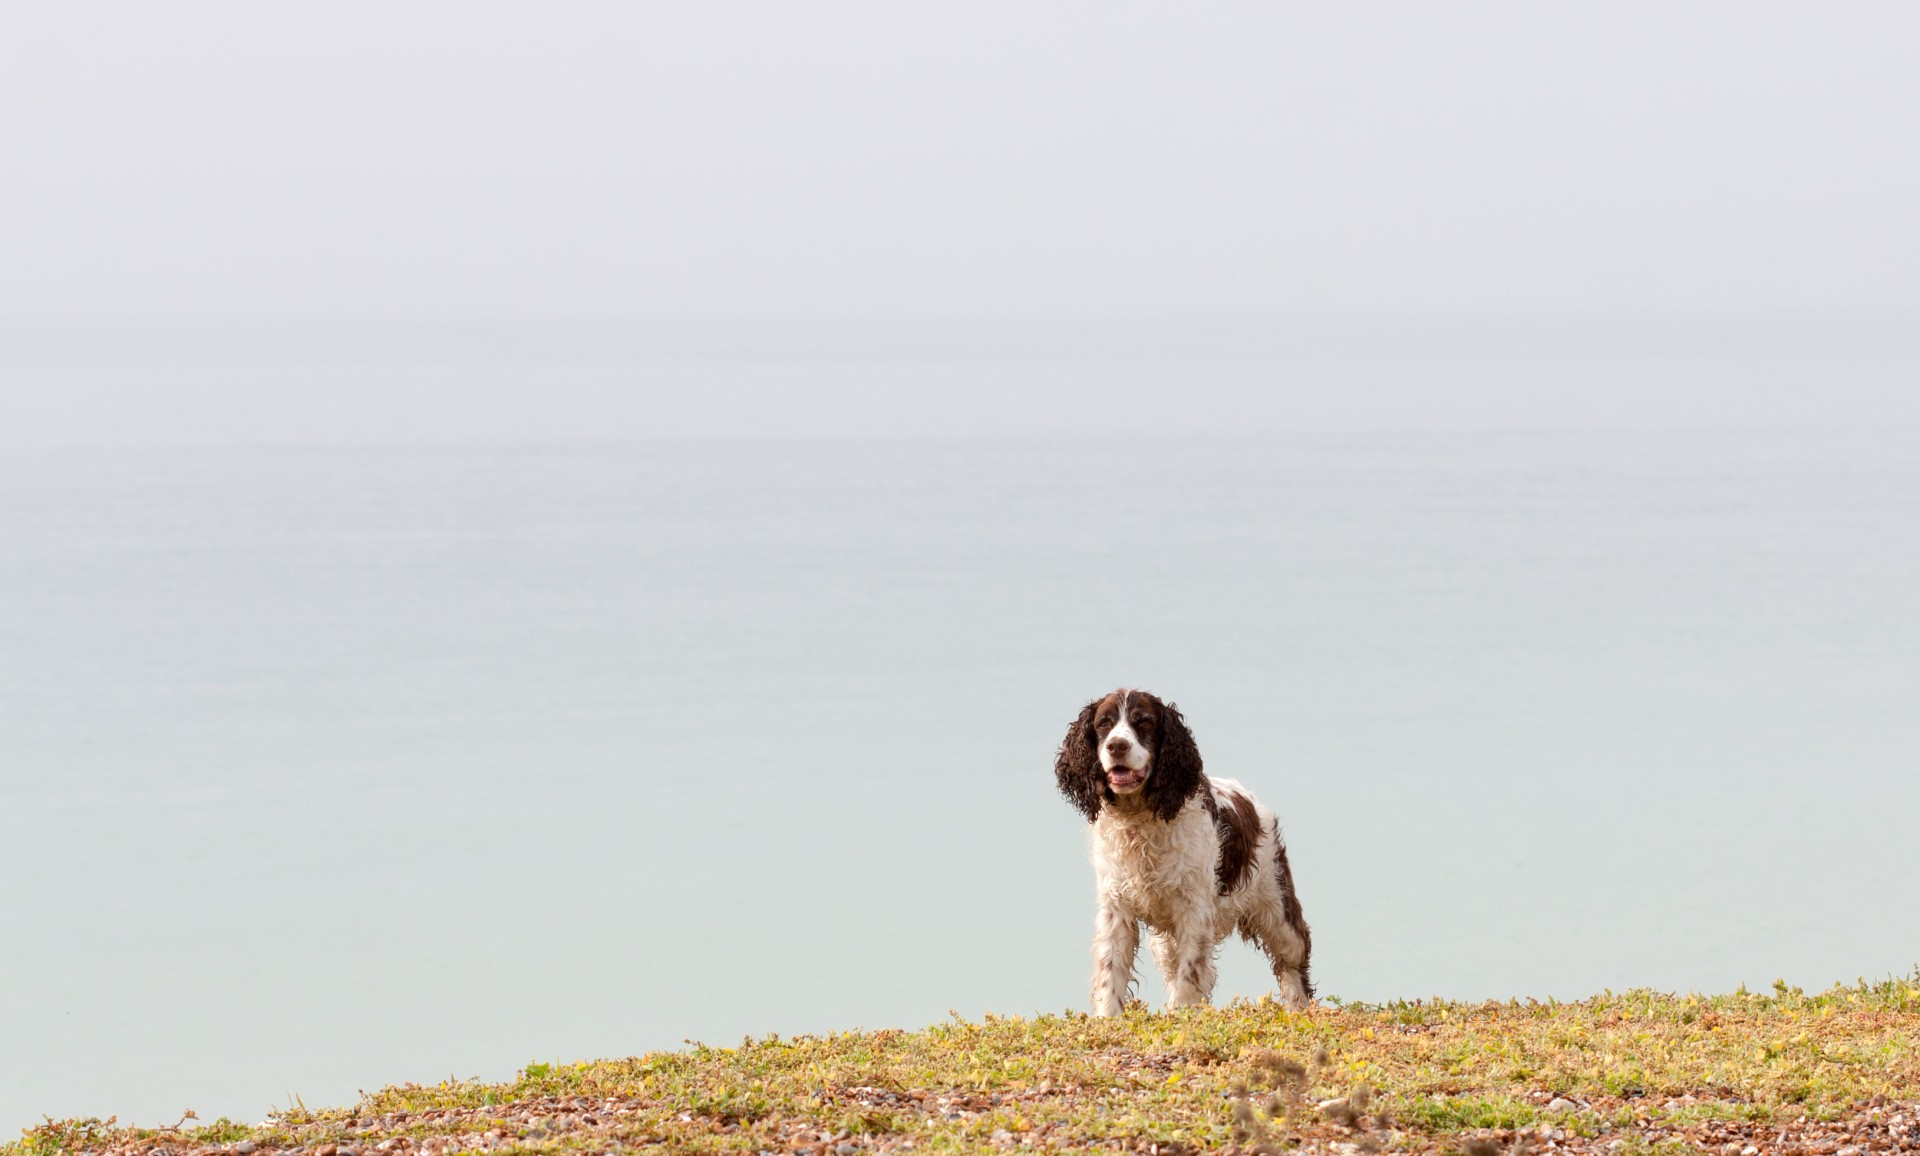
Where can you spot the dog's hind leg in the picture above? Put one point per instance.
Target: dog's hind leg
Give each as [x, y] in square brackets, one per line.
[1287, 950]
[1163, 955]
[1277, 924]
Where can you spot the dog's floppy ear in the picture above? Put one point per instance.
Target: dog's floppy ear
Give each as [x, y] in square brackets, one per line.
[1176, 775]
[1077, 768]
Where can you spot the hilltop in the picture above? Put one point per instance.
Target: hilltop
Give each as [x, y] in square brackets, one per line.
[1836, 1072]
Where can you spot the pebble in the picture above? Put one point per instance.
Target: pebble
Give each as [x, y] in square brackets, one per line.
[1561, 1104]
[244, 1148]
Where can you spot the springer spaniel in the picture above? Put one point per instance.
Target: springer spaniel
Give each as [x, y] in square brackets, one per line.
[1194, 858]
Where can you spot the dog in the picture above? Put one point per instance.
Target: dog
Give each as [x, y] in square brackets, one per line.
[1194, 858]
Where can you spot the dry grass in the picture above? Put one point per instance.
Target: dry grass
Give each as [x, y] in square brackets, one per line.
[1777, 1071]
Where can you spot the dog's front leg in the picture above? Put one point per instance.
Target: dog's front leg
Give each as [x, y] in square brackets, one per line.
[1189, 960]
[1116, 937]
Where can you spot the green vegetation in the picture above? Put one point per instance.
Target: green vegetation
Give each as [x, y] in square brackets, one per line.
[1620, 1074]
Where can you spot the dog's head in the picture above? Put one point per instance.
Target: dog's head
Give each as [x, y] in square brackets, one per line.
[1128, 746]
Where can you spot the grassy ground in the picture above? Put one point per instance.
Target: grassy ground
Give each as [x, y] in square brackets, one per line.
[1777, 1071]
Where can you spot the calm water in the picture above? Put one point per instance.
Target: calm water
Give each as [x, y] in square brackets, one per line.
[323, 769]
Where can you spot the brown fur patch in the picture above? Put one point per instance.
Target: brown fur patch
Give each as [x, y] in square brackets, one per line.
[1290, 908]
[1238, 826]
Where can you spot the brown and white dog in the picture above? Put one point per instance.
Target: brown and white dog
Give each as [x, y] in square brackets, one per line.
[1192, 857]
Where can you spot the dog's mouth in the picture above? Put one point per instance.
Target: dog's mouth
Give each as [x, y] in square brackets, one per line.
[1125, 778]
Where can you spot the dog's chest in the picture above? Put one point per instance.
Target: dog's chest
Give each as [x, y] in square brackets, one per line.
[1152, 867]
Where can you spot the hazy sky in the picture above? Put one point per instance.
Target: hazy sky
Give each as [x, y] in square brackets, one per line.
[478, 191]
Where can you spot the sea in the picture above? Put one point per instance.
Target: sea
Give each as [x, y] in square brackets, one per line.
[328, 768]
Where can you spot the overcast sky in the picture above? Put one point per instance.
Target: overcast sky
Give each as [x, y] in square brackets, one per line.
[235, 221]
